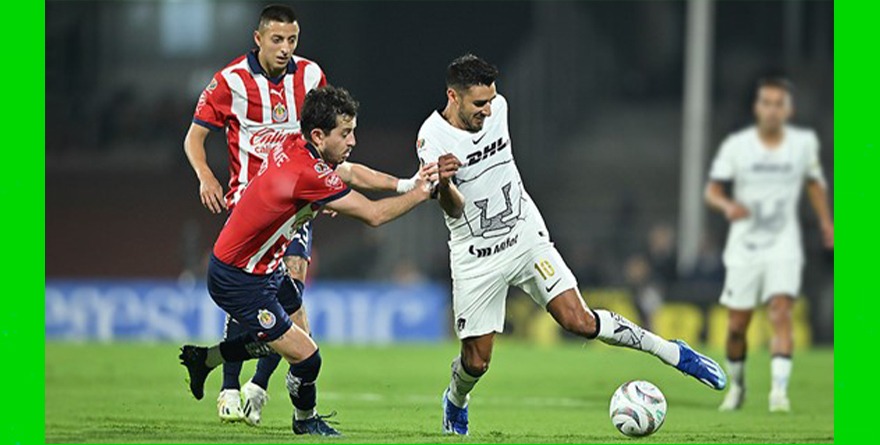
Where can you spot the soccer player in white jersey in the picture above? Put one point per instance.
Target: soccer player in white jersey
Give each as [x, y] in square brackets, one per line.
[768, 164]
[498, 239]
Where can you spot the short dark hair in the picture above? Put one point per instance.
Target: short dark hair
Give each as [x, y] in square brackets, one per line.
[276, 13]
[323, 106]
[775, 82]
[469, 70]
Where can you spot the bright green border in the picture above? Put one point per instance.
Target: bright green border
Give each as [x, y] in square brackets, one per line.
[22, 226]
[856, 156]
[22, 198]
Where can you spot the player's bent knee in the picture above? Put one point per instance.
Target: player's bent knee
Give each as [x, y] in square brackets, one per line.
[294, 345]
[476, 366]
[736, 335]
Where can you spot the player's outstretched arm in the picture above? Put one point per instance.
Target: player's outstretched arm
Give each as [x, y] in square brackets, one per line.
[818, 195]
[717, 199]
[210, 190]
[376, 213]
[363, 178]
[450, 198]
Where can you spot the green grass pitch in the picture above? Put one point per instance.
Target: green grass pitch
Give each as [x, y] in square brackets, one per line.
[133, 392]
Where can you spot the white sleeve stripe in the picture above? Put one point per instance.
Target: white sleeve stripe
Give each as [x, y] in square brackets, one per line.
[311, 77]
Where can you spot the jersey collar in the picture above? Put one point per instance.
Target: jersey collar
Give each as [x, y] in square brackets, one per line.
[314, 151]
[256, 68]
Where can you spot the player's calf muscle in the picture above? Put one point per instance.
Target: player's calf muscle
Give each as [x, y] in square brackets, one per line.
[570, 313]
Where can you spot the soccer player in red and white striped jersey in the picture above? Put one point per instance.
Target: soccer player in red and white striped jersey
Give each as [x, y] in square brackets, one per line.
[244, 273]
[257, 100]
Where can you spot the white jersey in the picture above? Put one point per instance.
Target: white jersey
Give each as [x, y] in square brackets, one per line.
[500, 222]
[769, 183]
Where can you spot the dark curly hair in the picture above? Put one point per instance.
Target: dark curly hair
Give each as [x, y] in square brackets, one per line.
[469, 70]
[323, 105]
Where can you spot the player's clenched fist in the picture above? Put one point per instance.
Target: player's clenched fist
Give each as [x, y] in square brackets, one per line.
[447, 167]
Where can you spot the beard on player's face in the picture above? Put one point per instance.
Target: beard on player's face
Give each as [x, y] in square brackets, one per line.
[337, 145]
[474, 106]
[473, 122]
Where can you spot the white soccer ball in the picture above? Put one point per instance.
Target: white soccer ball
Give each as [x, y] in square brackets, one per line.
[638, 408]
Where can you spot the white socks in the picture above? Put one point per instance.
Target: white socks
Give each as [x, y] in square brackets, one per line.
[461, 384]
[780, 371]
[618, 331]
[735, 372]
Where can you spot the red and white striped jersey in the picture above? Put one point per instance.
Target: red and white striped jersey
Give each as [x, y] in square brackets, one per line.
[289, 191]
[258, 112]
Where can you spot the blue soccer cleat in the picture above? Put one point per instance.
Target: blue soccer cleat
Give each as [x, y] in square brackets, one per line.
[700, 367]
[455, 419]
[316, 426]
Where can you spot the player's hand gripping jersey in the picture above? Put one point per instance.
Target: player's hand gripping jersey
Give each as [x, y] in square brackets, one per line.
[500, 222]
[288, 191]
[258, 113]
[769, 183]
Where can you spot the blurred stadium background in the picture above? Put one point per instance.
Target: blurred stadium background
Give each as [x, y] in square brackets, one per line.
[617, 108]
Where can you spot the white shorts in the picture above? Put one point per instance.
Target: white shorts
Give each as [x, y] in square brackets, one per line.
[478, 303]
[745, 287]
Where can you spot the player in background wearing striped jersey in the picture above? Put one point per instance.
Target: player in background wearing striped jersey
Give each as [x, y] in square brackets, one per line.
[295, 183]
[498, 239]
[257, 100]
[768, 164]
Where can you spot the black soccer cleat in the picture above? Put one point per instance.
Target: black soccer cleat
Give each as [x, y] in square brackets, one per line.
[193, 357]
[316, 426]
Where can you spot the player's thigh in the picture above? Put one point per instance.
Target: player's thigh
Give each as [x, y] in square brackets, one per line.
[783, 280]
[742, 286]
[479, 304]
[543, 275]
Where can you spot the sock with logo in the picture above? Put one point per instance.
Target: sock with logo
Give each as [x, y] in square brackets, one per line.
[301, 380]
[615, 330]
[238, 349]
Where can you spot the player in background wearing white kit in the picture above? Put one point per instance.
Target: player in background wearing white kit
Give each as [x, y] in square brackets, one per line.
[768, 164]
[498, 239]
